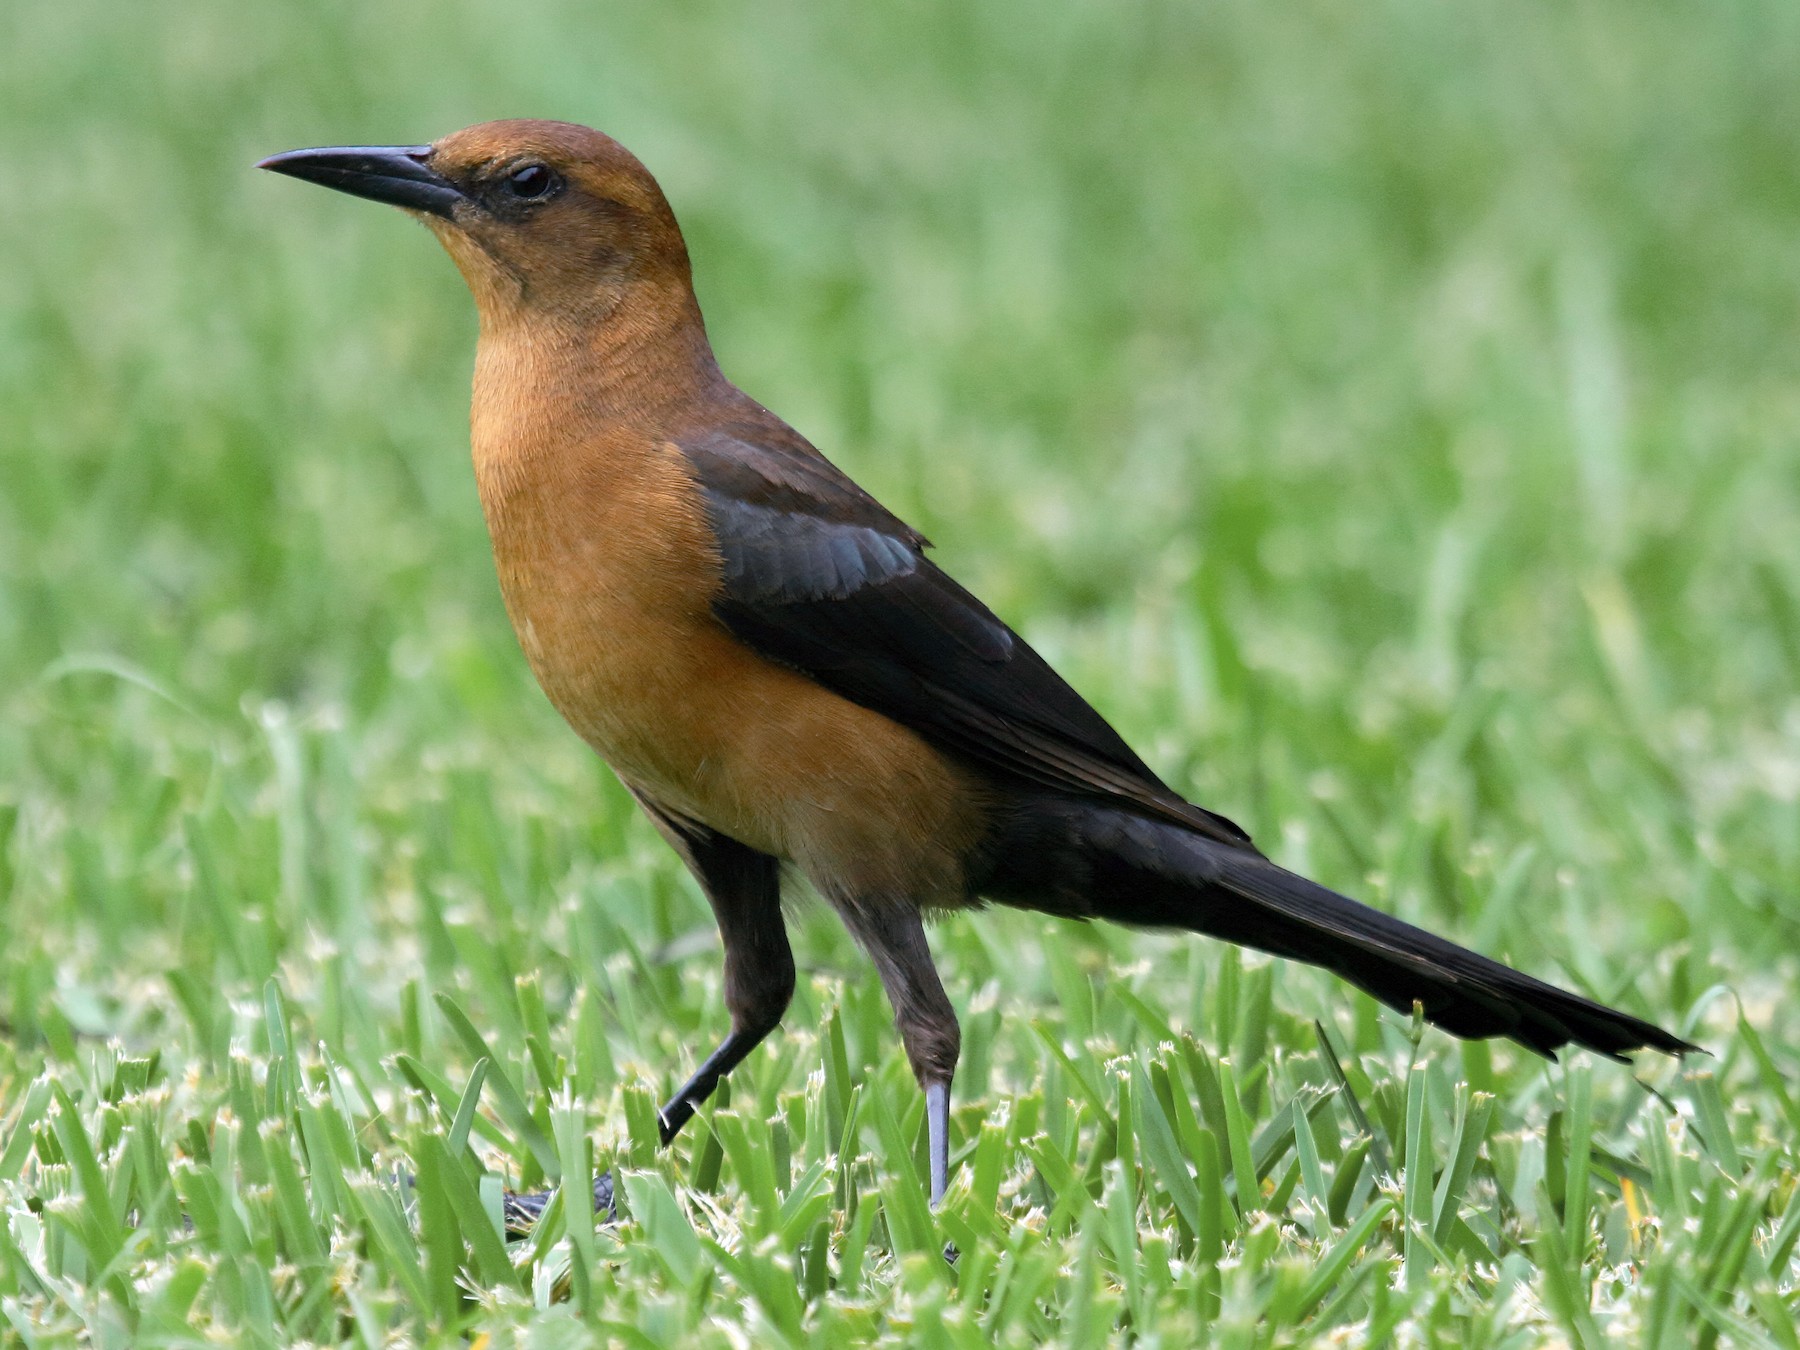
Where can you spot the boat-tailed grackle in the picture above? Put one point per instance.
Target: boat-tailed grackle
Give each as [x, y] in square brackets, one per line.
[780, 675]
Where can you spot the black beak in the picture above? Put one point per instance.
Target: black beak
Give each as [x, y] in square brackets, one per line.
[396, 174]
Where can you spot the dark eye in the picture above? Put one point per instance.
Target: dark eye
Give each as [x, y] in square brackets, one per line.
[529, 182]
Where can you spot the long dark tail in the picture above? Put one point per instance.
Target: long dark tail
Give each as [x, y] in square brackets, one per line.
[1092, 861]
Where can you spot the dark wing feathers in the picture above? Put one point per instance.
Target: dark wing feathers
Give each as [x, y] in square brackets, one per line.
[819, 576]
[781, 558]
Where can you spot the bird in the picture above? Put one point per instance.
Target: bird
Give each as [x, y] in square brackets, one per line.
[781, 676]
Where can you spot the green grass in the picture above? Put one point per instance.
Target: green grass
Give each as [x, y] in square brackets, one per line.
[1387, 415]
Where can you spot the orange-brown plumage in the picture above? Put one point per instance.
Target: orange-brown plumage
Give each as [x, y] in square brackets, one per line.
[778, 673]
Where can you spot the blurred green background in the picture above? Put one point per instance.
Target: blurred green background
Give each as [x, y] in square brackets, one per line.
[1386, 415]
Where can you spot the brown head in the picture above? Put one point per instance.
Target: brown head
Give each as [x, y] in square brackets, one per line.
[546, 220]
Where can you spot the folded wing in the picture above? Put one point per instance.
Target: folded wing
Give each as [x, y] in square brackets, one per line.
[822, 578]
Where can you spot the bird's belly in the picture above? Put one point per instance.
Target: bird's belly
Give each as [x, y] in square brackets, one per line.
[691, 718]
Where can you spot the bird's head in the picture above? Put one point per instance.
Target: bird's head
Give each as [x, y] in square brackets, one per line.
[546, 219]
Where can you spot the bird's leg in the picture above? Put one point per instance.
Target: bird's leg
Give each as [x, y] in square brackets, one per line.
[937, 1129]
[680, 1108]
[894, 936]
[744, 888]
[759, 972]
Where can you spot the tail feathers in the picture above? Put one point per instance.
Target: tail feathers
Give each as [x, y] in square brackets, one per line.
[1466, 994]
[1146, 872]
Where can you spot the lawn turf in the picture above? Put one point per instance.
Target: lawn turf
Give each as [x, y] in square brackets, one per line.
[1387, 416]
